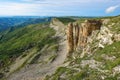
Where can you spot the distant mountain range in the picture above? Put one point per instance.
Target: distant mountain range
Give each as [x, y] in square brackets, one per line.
[8, 22]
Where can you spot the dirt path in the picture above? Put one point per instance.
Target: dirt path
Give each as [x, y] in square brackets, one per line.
[21, 61]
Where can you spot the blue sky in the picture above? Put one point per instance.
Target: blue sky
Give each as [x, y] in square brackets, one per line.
[59, 7]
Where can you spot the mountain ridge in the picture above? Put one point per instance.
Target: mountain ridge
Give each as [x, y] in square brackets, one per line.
[44, 50]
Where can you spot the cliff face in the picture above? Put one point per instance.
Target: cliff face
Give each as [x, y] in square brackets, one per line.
[77, 34]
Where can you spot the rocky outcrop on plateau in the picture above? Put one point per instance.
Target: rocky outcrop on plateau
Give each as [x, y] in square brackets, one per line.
[77, 34]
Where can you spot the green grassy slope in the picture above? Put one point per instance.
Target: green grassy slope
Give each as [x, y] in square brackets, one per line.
[65, 20]
[14, 43]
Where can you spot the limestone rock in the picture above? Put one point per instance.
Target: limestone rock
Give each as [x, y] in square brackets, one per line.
[116, 37]
[105, 21]
[70, 37]
[116, 70]
[77, 34]
[104, 36]
[91, 63]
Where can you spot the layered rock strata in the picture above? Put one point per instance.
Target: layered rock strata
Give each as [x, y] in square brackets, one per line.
[77, 34]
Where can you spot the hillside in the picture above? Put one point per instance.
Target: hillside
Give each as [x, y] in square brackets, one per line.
[22, 40]
[62, 49]
[97, 54]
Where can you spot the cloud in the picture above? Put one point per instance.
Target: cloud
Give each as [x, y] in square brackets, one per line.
[112, 9]
[65, 1]
[55, 7]
[19, 9]
[42, 9]
[33, 0]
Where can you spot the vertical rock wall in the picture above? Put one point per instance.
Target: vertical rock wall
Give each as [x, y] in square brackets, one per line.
[77, 34]
[70, 37]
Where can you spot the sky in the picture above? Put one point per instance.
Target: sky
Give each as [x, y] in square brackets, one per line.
[59, 7]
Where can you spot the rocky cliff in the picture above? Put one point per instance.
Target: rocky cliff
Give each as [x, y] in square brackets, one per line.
[93, 51]
[77, 34]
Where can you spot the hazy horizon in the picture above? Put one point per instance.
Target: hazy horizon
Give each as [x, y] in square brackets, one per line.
[52, 16]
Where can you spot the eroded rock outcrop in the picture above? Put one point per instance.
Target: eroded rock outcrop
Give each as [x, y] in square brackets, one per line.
[77, 34]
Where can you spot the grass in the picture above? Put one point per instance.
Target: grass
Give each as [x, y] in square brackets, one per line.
[66, 20]
[23, 61]
[52, 58]
[85, 73]
[61, 70]
[58, 73]
[109, 50]
[16, 42]
[116, 27]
